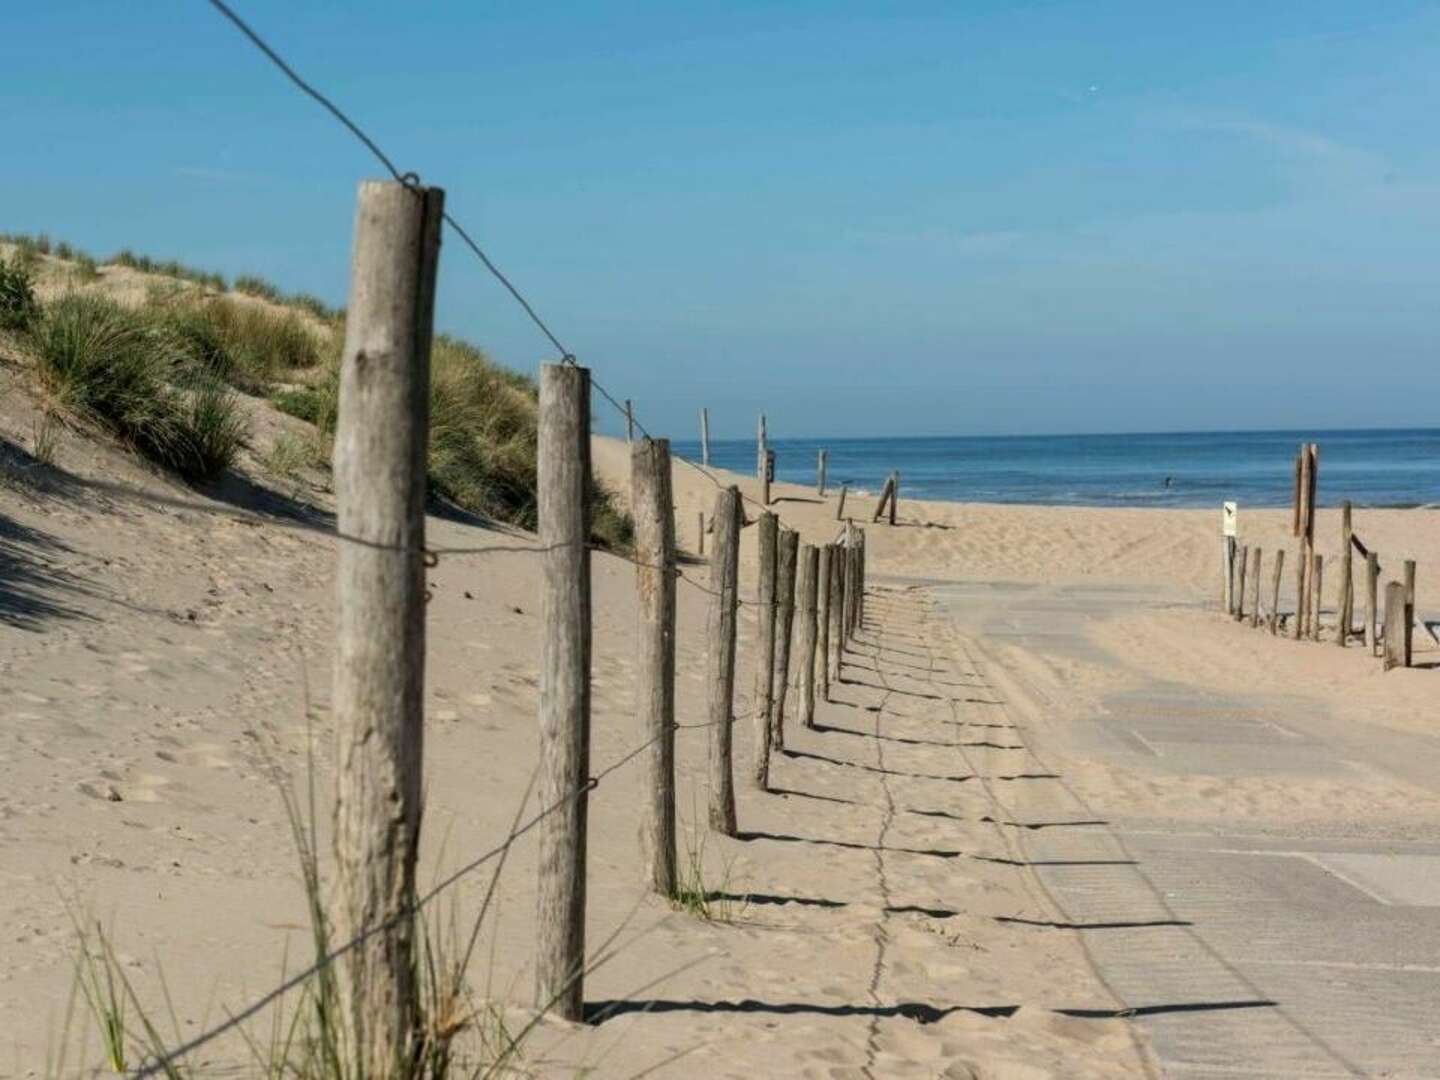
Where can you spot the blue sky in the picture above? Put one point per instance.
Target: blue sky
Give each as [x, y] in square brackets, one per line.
[968, 218]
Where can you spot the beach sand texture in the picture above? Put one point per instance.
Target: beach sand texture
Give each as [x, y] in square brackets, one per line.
[158, 649]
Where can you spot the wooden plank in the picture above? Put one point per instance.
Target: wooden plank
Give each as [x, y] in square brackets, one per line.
[1394, 625]
[1275, 591]
[786, 568]
[767, 544]
[720, 658]
[654, 544]
[378, 687]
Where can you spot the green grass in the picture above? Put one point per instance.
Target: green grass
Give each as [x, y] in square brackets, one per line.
[18, 306]
[247, 345]
[695, 894]
[167, 268]
[109, 365]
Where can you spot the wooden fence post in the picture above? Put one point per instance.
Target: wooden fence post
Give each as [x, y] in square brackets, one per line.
[764, 702]
[705, 437]
[1346, 599]
[822, 620]
[820, 474]
[1317, 587]
[563, 487]
[700, 533]
[720, 630]
[1409, 611]
[837, 610]
[807, 591]
[1243, 571]
[629, 422]
[1394, 625]
[1372, 586]
[840, 509]
[1255, 594]
[655, 669]
[1275, 592]
[785, 570]
[378, 689]
[885, 490]
[1227, 574]
[860, 587]
[894, 494]
[1298, 630]
[762, 462]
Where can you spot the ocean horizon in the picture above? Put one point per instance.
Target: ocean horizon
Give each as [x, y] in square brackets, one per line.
[1370, 467]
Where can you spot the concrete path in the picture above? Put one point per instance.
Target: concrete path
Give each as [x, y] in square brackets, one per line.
[1245, 947]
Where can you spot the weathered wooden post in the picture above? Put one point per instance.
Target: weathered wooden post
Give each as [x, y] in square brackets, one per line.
[785, 570]
[1394, 625]
[378, 689]
[885, 490]
[860, 587]
[822, 620]
[1317, 587]
[838, 589]
[563, 488]
[820, 474]
[720, 658]
[1372, 585]
[1244, 570]
[1255, 593]
[840, 508]
[1346, 599]
[1298, 630]
[764, 703]
[807, 589]
[629, 422]
[894, 494]
[700, 533]
[705, 437]
[1275, 592]
[1409, 611]
[654, 543]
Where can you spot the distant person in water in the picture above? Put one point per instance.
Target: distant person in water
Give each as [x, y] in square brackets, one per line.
[1167, 481]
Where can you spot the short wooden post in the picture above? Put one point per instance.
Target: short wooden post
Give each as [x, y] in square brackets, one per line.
[1372, 586]
[1244, 570]
[1255, 589]
[705, 437]
[1346, 598]
[820, 474]
[1227, 574]
[786, 566]
[762, 462]
[767, 541]
[1409, 611]
[1298, 630]
[840, 508]
[1394, 625]
[885, 491]
[378, 688]
[720, 659]
[655, 669]
[822, 621]
[894, 494]
[1275, 592]
[1317, 587]
[629, 422]
[837, 610]
[563, 487]
[700, 533]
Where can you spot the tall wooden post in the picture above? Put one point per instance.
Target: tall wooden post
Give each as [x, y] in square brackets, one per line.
[860, 586]
[1346, 597]
[820, 474]
[1372, 584]
[767, 542]
[700, 533]
[1298, 630]
[762, 462]
[563, 484]
[885, 490]
[1240, 591]
[1227, 573]
[655, 669]
[807, 590]
[1395, 625]
[378, 690]
[1275, 592]
[629, 422]
[785, 571]
[720, 656]
[894, 494]
[1255, 597]
[837, 609]
[1317, 586]
[822, 621]
[705, 437]
[1409, 611]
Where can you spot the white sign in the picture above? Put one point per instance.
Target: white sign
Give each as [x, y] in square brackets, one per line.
[1228, 519]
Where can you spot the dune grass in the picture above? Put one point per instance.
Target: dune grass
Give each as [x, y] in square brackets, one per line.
[250, 346]
[109, 365]
[18, 306]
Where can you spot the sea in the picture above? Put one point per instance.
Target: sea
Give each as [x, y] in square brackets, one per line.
[1374, 468]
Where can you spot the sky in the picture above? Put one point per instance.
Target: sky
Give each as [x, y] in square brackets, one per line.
[862, 219]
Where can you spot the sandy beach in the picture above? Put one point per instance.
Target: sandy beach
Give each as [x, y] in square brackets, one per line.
[881, 916]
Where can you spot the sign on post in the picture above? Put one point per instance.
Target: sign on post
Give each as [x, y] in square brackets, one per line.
[1228, 519]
